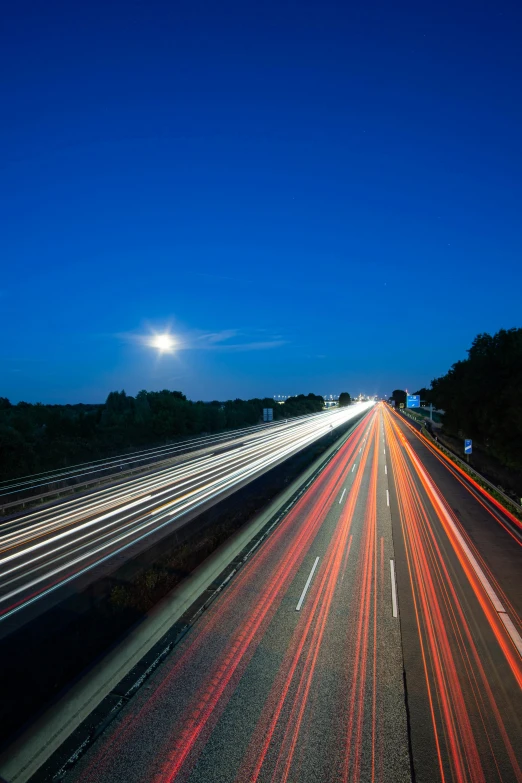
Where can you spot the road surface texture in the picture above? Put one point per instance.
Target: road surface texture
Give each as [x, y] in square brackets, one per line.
[373, 636]
[460, 596]
[296, 672]
[82, 538]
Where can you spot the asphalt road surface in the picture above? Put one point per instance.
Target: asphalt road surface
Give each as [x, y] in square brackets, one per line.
[296, 672]
[79, 476]
[375, 635]
[45, 551]
[460, 593]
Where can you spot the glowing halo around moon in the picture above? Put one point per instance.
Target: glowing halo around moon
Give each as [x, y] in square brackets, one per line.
[164, 343]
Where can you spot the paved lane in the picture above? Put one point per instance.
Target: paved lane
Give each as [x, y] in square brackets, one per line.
[295, 672]
[460, 589]
[43, 551]
[39, 484]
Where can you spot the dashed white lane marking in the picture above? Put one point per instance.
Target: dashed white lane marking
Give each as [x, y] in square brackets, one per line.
[307, 585]
[342, 496]
[393, 588]
[386, 470]
[387, 498]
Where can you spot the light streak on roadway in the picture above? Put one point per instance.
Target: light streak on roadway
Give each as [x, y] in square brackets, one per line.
[260, 692]
[87, 470]
[469, 729]
[47, 549]
[279, 674]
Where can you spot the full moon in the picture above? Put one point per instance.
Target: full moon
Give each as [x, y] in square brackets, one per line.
[163, 342]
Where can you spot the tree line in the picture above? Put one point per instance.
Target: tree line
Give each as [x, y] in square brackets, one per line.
[481, 395]
[36, 437]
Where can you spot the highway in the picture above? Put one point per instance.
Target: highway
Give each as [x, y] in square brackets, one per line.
[373, 636]
[82, 474]
[83, 537]
[296, 673]
[460, 591]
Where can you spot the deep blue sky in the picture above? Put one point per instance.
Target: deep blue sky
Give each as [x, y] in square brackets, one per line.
[315, 196]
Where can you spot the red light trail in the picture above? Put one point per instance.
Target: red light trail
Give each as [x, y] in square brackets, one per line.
[449, 651]
[260, 692]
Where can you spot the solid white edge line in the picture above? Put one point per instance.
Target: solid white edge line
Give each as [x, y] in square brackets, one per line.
[387, 498]
[342, 496]
[512, 631]
[493, 597]
[393, 589]
[307, 585]
[474, 564]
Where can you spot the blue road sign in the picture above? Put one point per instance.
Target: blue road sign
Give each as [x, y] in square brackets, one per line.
[413, 400]
[467, 446]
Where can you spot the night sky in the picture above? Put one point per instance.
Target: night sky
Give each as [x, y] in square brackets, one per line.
[309, 196]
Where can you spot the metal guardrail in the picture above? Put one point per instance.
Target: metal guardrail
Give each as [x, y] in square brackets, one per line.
[54, 485]
[58, 763]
